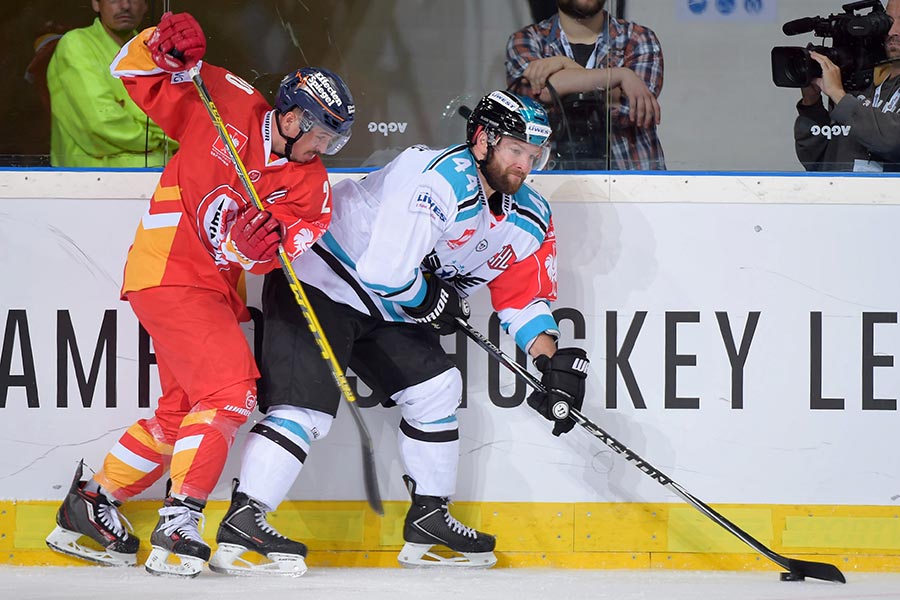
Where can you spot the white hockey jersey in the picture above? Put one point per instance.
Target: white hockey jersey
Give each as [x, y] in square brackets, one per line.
[426, 210]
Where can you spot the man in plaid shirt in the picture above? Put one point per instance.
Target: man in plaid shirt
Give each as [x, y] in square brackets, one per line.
[584, 49]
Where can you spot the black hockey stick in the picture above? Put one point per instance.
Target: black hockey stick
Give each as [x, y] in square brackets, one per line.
[370, 475]
[798, 569]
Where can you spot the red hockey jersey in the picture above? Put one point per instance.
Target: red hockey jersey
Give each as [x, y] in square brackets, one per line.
[181, 240]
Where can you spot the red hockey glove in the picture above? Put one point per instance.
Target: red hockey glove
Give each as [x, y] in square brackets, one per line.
[256, 234]
[441, 307]
[178, 42]
[564, 374]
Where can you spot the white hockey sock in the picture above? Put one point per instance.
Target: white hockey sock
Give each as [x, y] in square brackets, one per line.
[430, 453]
[269, 467]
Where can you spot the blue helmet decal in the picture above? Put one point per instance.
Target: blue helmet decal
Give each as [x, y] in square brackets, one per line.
[537, 123]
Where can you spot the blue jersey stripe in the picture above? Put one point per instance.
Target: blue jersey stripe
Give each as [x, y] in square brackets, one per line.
[526, 225]
[291, 426]
[335, 248]
[534, 328]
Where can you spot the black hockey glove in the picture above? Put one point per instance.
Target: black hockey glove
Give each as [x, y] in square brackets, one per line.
[563, 377]
[441, 306]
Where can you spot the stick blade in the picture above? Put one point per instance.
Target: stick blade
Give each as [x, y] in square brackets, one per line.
[370, 479]
[815, 570]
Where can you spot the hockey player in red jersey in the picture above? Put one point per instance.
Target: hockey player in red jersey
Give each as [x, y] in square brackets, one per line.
[405, 247]
[184, 279]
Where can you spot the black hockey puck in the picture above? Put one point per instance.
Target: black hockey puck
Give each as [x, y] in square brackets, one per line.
[792, 577]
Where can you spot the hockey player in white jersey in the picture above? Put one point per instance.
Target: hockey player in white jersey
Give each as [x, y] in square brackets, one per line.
[406, 245]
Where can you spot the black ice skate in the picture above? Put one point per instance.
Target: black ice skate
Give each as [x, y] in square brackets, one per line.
[245, 529]
[429, 523]
[178, 534]
[93, 515]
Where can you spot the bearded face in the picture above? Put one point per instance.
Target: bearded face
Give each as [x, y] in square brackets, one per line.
[581, 9]
[503, 178]
[892, 41]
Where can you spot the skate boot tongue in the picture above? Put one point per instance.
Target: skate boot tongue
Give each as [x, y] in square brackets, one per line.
[178, 547]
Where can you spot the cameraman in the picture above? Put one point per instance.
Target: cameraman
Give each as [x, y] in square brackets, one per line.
[860, 133]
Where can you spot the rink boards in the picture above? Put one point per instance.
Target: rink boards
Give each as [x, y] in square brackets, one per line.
[742, 330]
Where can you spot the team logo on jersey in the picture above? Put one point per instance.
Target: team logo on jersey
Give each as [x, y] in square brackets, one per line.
[302, 241]
[464, 281]
[215, 215]
[239, 140]
[447, 272]
[502, 260]
[458, 242]
[552, 272]
[482, 246]
[423, 202]
[254, 175]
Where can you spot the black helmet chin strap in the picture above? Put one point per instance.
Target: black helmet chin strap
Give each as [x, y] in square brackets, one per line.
[288, 141]
[482, 164]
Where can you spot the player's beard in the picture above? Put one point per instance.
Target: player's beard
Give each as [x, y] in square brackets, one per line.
[581, 9]
[505, 182]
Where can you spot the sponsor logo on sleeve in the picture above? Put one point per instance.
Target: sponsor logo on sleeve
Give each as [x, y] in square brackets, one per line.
[424, 202]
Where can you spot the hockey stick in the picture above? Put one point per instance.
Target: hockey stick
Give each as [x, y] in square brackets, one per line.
[370, 475]
[798, 569]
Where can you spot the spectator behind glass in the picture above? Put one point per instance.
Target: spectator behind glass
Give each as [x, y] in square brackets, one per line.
[579, 51]
[93, 121]
[44, 44]
[859, 133]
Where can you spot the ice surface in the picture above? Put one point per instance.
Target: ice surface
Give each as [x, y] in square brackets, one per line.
[90, 583]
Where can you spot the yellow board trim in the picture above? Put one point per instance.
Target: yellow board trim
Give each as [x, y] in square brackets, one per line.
[554, 535]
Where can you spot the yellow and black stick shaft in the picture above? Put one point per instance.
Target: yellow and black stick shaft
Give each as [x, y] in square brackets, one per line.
[370, 474]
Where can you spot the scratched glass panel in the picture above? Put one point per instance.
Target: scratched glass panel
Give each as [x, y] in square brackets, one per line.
[412, 64]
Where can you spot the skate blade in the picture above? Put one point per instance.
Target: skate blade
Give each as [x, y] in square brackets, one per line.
[158, 563]
[227, 559]
[420, 555]
[65, 541]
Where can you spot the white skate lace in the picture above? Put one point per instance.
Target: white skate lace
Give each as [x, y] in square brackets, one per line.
[184, 520]
[456, 526]
[263, 524]
[113, 520]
